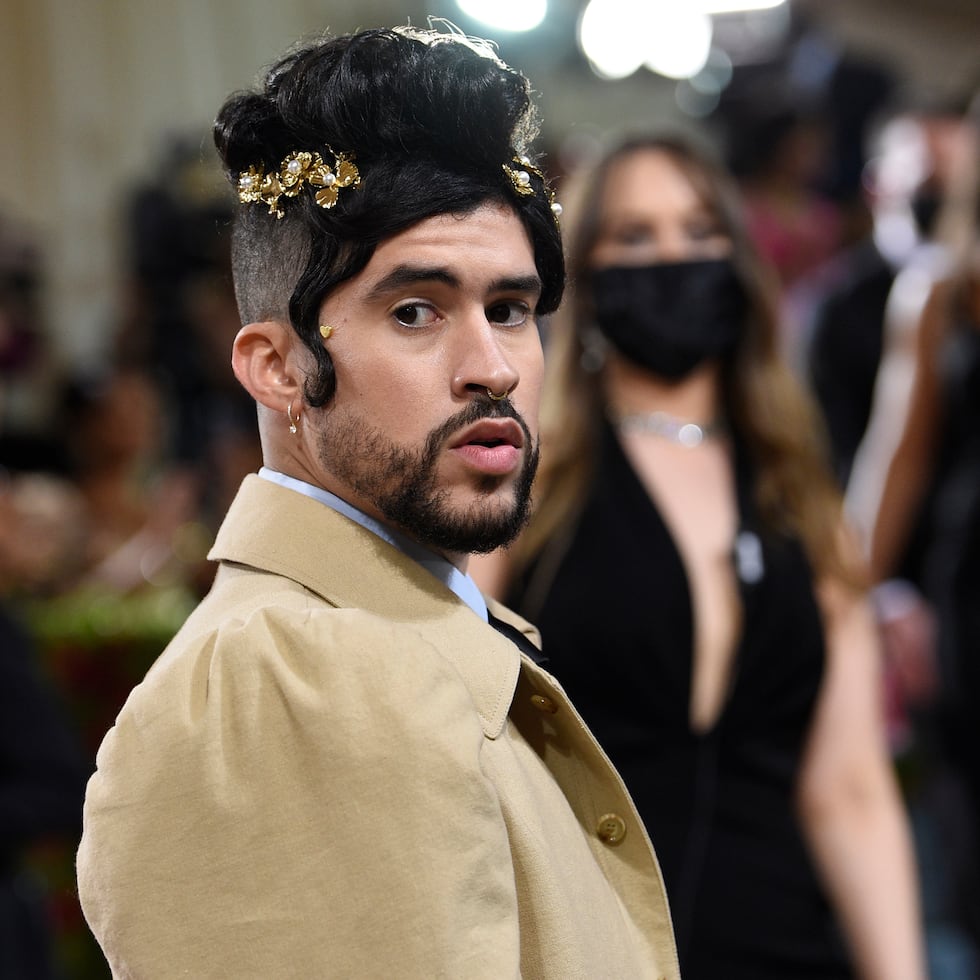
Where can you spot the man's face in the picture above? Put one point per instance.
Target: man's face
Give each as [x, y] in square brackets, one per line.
[443, 312]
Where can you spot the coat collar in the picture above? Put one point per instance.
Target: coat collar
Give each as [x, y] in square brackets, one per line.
[275, 529]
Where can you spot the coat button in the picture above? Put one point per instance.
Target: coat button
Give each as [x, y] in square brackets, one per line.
[611, 828]
[544, 704]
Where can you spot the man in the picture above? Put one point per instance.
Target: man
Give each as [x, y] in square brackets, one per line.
[344, 765]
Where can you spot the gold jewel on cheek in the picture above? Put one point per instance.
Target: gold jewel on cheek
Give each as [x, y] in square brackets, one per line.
[326, 331]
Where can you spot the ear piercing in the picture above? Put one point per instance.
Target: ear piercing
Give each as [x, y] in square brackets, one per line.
[292, 421]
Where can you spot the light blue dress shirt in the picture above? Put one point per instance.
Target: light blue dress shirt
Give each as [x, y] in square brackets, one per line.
[458, 582]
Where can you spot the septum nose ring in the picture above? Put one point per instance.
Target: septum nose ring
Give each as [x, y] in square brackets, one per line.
[499, 398]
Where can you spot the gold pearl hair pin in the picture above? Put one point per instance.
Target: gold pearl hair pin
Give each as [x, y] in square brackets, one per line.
[301, 168]
[520, 177]
[307, 168]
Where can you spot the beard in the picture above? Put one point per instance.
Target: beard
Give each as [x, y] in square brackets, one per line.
[402, 483]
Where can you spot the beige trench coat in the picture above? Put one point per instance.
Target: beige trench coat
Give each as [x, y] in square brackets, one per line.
[337, 770]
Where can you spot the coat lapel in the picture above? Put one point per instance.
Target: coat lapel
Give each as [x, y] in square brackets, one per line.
[278, 530]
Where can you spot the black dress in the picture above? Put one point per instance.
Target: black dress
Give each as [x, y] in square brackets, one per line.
[616, 622]
[951, 563]
[950, 579]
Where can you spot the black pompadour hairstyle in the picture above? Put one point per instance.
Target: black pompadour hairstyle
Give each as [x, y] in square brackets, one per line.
[429, 117]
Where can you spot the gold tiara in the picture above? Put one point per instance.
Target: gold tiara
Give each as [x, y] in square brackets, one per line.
[298, 169]
[521, 179]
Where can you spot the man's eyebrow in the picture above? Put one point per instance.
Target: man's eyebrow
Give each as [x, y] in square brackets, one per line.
[517, 284]
[409, 275]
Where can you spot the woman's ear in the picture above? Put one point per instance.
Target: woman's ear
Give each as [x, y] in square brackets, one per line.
[264, 361]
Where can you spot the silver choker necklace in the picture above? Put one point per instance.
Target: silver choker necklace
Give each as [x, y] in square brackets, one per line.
[679, 431]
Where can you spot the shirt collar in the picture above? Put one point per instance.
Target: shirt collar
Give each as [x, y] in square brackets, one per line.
[456, 581]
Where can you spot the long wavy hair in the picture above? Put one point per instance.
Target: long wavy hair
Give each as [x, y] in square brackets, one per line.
[764, 405]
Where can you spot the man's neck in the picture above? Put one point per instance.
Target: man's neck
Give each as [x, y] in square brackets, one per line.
[449, 571]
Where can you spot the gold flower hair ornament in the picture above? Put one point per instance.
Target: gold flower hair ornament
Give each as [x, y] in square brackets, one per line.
[297, 170]
[521, 179]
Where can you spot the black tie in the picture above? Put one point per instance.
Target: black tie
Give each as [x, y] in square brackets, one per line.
[516, 636]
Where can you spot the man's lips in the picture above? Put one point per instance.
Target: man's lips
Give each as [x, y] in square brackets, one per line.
[492, 446]
[490, 432]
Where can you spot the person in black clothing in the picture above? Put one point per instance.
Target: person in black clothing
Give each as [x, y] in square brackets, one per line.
[905, 179]
[43, 772]
[915, 491]
[687, 568]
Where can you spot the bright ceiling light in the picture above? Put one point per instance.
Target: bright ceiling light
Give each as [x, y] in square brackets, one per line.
[679, 40]
[670, 38]
[737, 6]
[506, 15]
[612, 51]
[618, 36]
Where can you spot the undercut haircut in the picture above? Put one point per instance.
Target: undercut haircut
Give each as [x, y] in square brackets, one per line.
[430, 119]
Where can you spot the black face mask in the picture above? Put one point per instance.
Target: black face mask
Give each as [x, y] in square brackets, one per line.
[672, 316]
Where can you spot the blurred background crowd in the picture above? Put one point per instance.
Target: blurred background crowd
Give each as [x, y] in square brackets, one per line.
[852, 132]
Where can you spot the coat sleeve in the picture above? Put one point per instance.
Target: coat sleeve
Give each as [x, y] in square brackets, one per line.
[298, 795]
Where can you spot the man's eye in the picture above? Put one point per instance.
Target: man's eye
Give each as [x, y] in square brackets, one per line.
[510, 314]
[415, 315]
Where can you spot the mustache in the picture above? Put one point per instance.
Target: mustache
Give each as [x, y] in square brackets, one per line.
[476, 411]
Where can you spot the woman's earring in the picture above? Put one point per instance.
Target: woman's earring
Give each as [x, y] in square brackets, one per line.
[594, 348]
[292, 421]
[326, 331]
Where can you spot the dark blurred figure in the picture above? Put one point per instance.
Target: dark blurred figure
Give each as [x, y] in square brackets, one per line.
[182, 318]
[778, 148]
[20, 339]
[794, 127]
[779, 165]
[109, 555]
[27, 371]
[42, 767]
[904, 183]
[135, 499]
[915, 490]
[138, 561]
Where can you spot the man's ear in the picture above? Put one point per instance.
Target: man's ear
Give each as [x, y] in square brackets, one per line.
[264, 359]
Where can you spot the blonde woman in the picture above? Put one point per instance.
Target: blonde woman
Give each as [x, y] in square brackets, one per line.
[688, 570]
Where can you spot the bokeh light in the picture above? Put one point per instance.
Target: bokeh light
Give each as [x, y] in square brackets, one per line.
[506, 15]
[619, 36]
[679, 40]
[611, 35]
